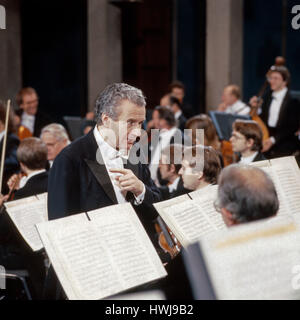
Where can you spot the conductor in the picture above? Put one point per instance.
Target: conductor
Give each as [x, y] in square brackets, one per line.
[96, 170]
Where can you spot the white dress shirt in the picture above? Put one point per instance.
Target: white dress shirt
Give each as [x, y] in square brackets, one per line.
[173, 186]
[27, 121]
[2, 133]
[238, 107]
[113, 160]
[164, 140]
[275, 106]
[24, 180]
[247, 160]
[178, 114]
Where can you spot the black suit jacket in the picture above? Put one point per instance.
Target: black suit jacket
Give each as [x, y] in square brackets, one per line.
[35, 185]
[78, 183]
[41, 120]
[287, 125]
[180, 190]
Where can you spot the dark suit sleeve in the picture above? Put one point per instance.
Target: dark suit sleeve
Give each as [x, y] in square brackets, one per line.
[290, 123]
[63, 188]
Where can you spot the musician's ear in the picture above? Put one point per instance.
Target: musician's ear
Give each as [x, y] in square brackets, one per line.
[250, 143]
[105, 120]
[200, 175]
[227, 217]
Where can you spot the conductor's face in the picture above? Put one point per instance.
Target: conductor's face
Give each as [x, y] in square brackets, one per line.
[127, 128]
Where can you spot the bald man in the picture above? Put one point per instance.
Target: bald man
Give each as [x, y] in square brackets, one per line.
[231, 101]
[246, 194]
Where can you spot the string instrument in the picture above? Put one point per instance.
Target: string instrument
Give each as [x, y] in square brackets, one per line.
[279, 61]
[24, 133]
[166, 239]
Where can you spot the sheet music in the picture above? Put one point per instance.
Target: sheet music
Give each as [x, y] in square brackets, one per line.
[185, 218]
[23, 201]
[44, 230]
[25, 215]
[287, 184]
[257, 260]
[114, 242]
[205, 199]
[43, 196]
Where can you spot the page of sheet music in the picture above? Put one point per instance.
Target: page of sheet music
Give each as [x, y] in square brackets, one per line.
[25, 216]
[257, 262]
[114, 242]
[44, 230]
[23, 201]
[187, 221]
[205, 199]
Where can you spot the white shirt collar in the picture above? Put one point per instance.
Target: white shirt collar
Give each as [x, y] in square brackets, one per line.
[280, 94]
[107, 150]
[247, 160]
[178, 114]
[2, 133]
[24, 180]
[174, 184]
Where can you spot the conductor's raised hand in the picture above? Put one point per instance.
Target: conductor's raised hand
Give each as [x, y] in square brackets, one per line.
[128, 181]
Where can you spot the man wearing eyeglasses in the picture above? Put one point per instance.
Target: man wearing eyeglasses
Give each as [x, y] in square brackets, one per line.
[30, 116]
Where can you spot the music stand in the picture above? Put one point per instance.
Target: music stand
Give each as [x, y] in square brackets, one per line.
[223, 123]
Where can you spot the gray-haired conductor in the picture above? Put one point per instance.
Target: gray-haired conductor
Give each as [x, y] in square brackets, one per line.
[55, 138]
[90, 172]
[245, 194]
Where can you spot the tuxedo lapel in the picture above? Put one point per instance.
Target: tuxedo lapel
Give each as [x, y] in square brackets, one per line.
[283, 107]
[101, 174]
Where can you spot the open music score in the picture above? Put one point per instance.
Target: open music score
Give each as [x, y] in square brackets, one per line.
[252, 261]
[100, 253]
[25, 213]
[285, 174]
[189, 219]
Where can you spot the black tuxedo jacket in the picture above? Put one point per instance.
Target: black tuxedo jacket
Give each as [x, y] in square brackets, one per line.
[287, 125]
[180, 190]
[78, 183]
[41, 120]
[35, 185]
[258, 157]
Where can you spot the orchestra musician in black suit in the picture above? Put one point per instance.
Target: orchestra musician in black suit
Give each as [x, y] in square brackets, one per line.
[247, 140]
[281, 113]
[29, 114]
[32, 155]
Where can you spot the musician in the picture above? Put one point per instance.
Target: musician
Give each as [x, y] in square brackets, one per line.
[30, 116]
[247, 139]
[90, 173]
[32, 155]
[231, 101]
[200, 167]
[11, 164]
[246, 193]
[280, 112]
[56, 138]
[164, 120]
[177, 90]
[169, 170]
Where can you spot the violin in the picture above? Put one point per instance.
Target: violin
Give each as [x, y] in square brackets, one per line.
[24, 133]
[166, 239]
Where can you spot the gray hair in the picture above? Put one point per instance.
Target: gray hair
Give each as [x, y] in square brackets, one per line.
[56, 130]
[110, 98]
[247, 192]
